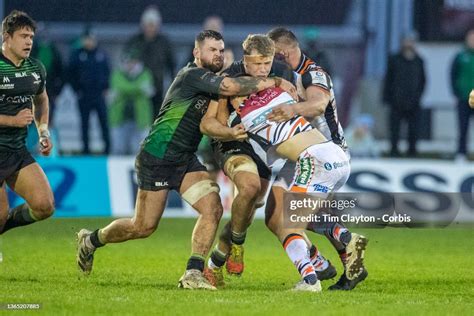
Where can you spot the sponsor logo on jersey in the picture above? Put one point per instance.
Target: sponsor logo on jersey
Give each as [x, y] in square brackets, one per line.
[339, 164]
[318, 77]
[306, 169]
[16, 99]
[7, 86]
[20, 74]
[328, 166]
[37, 78]
[320, 188]
[161, 183]
[6, 79]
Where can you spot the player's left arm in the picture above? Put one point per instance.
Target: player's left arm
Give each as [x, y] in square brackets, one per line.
[41, 113]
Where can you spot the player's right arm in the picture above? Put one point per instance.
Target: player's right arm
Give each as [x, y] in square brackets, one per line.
[212, 125]
[206, 81]
[21, 119]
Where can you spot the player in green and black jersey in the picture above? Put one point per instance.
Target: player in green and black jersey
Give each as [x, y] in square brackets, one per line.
[241, 164]
[23, 98]
[167, 159]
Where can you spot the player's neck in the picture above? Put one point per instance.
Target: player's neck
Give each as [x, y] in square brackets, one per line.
[12, 57]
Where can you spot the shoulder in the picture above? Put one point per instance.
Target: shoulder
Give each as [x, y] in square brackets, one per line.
[36, 63]
[235, 69]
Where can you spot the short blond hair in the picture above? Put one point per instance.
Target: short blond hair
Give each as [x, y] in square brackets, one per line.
[259, 42]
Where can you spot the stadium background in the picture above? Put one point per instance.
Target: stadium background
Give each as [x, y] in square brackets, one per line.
[357, 35]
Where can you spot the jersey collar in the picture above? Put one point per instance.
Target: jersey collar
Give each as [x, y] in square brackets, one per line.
[8, 61]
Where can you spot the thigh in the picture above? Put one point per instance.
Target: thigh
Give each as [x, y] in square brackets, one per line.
[324, 169]
[31, 183]
[149, 207]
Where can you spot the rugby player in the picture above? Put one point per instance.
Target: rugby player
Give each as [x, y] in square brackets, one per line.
[23, 98]
[243, 166]
[320, 107]
[167, 159]
[296, 140]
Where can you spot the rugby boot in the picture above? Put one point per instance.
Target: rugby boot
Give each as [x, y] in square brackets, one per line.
[344, 284]
[355, 256]
[328, 273]
[85, 254]
[235, 261]
[215, 276]
[193, 279]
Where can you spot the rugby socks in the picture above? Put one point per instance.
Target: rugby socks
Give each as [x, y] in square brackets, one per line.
[317, 259]
[343, 256]
[334, 230]
[93, 241]
[217, 259]
[195, 262]
[238, 238]
[19, 216]
[297, 249]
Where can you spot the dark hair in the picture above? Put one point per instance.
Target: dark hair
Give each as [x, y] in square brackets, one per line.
[17, 20]
[281, 34]
[208, 34]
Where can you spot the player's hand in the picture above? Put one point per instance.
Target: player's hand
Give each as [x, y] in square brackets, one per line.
[471, 99]
[45, 143]
[23, 118]
[281, 113]
[290, 88]
[239, 133]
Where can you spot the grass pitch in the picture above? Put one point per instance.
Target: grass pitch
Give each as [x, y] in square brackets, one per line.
[411, 271]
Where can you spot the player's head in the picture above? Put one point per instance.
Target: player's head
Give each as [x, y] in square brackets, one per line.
[18, 30]
[286, 44]
[470, 38]
[209, 50]
[259, 50]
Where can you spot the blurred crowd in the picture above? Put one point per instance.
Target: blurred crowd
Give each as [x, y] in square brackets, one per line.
[127, 96]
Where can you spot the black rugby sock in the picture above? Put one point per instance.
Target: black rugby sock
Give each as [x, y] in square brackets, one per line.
[19, 216]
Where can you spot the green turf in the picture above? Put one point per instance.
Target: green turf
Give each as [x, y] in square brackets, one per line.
[411, 271]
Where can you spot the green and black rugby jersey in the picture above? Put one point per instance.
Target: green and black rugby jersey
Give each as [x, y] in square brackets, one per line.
[18, 87]
[175, 134]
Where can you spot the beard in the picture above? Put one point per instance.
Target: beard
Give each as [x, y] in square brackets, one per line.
[214, 66]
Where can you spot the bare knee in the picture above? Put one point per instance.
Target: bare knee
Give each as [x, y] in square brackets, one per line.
[42, 208]
[249, 190]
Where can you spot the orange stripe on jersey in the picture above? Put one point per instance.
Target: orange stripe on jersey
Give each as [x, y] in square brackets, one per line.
[297, 189]
[300, 122]
[287, 242]
[336, 231]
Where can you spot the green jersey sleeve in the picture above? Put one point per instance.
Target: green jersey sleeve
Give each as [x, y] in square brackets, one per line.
[203, 80]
